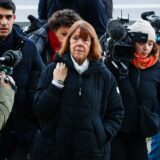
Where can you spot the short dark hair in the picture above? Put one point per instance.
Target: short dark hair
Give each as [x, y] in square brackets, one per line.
[8, 4]
[64, 17]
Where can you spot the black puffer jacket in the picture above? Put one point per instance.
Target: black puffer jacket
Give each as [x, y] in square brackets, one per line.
[77, 120]
[142, 83]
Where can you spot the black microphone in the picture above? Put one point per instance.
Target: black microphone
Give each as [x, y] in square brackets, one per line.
[32, 18]
[11, 57]
[152, 18]
[116, 30]
[146, 15]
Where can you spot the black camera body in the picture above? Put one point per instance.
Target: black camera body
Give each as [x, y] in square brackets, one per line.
[119, 41]
[9, 59]
[118, 45]
[123, 50]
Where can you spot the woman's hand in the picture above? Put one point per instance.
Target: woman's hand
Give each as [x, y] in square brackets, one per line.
[60, 72]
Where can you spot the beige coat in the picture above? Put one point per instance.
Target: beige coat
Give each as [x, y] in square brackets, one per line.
[6, 103]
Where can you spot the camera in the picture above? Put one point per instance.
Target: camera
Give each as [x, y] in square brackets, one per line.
[118, 43]
[10, 59]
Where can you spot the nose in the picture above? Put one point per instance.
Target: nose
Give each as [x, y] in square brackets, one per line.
[146, 46]
[4, 21]
[79, 41]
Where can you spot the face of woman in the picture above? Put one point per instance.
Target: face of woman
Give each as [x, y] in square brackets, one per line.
[79, 46]
[144, 48]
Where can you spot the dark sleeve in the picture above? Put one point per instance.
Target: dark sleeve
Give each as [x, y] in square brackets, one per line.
[40, 41]
[157, 108]
[108, 7]
[35, 71]
[42, 9]
[114, 113]
[96, 15]
[48, 96]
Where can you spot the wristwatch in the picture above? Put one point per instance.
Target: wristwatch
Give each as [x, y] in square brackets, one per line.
[60, 82]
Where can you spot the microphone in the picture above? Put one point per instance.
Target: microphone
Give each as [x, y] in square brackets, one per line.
[152, 18]
[32, 18]
[116, 30]
[145, 15]
[11, 57]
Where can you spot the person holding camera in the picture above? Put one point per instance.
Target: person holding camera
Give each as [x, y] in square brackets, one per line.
[138, 87]
[154, 153]
[7, 94]
[18, 133]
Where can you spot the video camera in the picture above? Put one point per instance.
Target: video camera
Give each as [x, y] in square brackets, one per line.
[120, 41]
[9, 59]
[154, 20]
[118, 44]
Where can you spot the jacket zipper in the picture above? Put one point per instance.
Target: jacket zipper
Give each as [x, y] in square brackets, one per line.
[80, 86]
[138, 80]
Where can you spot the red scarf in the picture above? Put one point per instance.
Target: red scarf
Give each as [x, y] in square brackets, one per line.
[143, 62]
[54, 43]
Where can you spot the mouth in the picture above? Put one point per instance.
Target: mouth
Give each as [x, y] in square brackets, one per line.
[79, 50]
[3, 29]
[144, 53]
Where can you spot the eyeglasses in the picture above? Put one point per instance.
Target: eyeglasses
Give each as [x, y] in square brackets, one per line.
[76, 39]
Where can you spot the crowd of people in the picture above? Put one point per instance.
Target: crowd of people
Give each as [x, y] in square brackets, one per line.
[63, 100]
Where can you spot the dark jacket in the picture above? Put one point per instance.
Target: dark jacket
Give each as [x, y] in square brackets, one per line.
[109, 8]
[79, 119]
[25, 75]
[142, 83]
[40, 38]
[96, 16]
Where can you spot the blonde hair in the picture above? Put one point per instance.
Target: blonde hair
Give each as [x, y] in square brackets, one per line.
[86, 30]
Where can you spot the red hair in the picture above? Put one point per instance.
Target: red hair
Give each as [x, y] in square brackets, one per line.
[86, 30]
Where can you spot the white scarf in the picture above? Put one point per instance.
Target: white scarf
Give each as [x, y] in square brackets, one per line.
[80, 68]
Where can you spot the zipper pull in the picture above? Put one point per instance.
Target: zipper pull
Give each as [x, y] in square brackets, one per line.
[80, 92]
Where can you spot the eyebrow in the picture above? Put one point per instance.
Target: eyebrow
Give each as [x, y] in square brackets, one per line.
[6, 16]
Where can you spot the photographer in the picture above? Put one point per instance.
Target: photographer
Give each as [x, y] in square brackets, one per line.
[6, 98]
[150, 16]
[154, 153]
[19, 132]
[138, 86]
